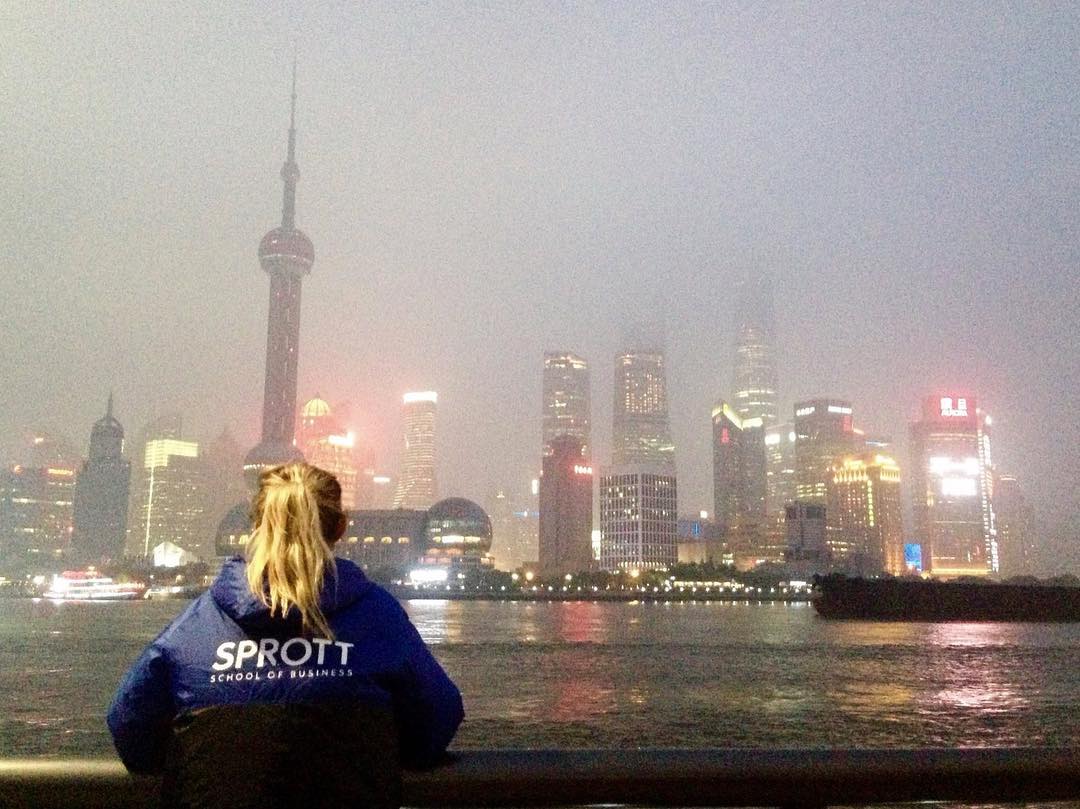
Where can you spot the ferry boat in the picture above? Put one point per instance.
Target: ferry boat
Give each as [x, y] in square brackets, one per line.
[89, 585]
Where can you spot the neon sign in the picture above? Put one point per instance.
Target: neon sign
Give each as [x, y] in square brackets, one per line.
[582, 470]
[951, 410]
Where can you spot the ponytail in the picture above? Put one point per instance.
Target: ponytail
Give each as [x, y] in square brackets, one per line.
[288, 555]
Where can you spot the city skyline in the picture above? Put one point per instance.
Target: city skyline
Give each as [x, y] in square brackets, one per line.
[845, 302]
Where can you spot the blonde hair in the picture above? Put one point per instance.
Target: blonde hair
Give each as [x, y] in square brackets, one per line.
[296, 514]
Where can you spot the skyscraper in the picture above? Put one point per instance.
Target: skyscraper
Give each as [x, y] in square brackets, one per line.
[566, 398]
[739, 461]
[1015, 521]
[951, 472]
[286, 254]
[755, 365]
[416, 485]
[565, 509]
[327, 444]
[638, 519]
[866, 509]
[779, 468]
[37, 504]
[642, 432]
[102, 489]
[823, 432]
[170, 501]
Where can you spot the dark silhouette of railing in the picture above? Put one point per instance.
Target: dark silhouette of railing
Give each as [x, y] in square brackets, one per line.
[643, 777]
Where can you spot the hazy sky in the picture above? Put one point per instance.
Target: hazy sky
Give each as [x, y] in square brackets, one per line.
[482, 183]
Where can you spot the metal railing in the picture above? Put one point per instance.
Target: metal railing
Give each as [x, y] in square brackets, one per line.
[642, 777]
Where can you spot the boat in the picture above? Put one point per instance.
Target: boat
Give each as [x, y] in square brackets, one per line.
[916, 599]
[89, 585]
[168, 591]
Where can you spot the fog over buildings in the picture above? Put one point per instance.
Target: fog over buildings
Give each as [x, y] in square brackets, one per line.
[486, 184]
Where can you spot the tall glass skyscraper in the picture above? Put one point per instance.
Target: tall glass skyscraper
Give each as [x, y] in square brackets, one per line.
[952, 480]
[566, 399]
[170, 498]
[755, 363]
[416, 485]
[739, 465]
[642, 431]
[36, 502]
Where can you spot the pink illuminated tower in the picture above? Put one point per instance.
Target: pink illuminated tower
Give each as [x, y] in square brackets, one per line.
[286, 255]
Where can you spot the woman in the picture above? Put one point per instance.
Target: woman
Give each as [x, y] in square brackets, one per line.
[291, 624]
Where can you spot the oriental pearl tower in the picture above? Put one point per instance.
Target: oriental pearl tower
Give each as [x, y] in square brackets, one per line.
[286, 255]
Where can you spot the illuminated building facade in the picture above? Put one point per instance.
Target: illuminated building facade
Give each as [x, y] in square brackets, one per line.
[384, 541]
[779, 468]
[416, 485]
[37, 505]
[171, 501]
[1014, 519]
[739, 467]
[642, 431]
[638, 519]
[823, 432]
[566, 488]
[952, 484]
[457, 539]
[755, 366]
[286, 255]
[327, 445]
[566, 399]
[102, 491]
[866, 512]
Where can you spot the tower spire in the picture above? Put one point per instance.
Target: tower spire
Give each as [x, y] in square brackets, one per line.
[108, 407]
[290, 172]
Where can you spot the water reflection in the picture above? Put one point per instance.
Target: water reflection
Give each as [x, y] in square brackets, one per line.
[603, 674]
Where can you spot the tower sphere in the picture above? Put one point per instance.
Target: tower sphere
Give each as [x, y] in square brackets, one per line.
[286, 249]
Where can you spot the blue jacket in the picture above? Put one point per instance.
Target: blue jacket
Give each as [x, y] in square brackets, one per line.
[226, 648]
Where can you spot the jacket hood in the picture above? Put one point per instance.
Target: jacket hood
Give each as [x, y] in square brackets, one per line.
[341, 588]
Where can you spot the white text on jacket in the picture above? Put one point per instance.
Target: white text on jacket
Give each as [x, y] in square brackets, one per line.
[293, 652]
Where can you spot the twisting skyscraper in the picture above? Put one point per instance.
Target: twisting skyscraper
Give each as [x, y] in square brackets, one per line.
[642, 432]
[416, 484]
[286, 255]
[755, 365]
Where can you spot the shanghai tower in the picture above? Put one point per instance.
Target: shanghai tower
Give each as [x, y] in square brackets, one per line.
[286, 255]
[755, 364]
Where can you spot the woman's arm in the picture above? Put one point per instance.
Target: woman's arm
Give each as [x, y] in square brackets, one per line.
[141, 714]
[428, 704]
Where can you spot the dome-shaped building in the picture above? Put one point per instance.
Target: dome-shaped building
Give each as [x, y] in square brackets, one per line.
[457, 538]
[457, 523]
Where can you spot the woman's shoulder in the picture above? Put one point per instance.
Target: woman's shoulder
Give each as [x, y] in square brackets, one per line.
[359, 596]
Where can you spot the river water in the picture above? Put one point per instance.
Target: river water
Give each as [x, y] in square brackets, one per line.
[583, 674]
